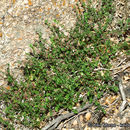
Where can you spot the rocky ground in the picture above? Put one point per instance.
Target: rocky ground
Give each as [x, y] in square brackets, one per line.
[19, 21]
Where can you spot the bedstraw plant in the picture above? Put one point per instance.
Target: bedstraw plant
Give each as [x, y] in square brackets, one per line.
[66, 73]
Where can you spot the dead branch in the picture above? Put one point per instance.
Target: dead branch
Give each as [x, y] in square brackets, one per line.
[124, 103]
[121, 62]
[57, 121]
[75, 116]
[116, 68]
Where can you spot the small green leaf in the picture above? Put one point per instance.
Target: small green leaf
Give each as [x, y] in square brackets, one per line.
[75, 111]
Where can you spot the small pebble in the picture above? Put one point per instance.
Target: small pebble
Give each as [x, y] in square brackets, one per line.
[75, 122]
[88, 116]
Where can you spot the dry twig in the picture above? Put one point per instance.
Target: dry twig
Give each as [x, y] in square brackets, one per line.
[116, 68]
[57, 121]
[124, 103]
[79, 123]
[121, 62]
[73, 117]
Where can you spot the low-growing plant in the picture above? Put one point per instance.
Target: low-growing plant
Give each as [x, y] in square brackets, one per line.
[64, 75]
[6, 123]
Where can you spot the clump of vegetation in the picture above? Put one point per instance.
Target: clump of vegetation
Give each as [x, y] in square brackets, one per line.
[63, 75]
[6, 123]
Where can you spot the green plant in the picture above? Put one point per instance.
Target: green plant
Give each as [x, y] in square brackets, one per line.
[56, 78]
[6, 124]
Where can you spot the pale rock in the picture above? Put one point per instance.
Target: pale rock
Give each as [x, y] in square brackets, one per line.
[77, 105]
[75, 122]
[88, 116]
[112, 39]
